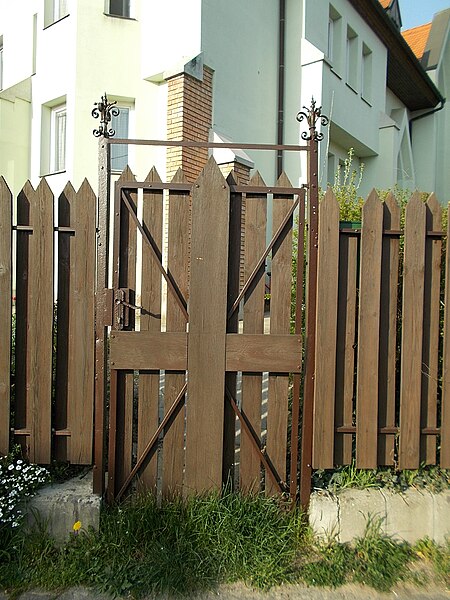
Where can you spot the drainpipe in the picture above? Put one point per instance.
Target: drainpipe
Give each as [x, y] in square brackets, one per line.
[422, 116]
[281, 73]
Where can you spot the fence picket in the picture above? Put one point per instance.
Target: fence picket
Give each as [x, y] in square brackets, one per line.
[326, 332]
[235, 270]
[280, 315]
[207, 329]
[150, 320]
[388, 330]
[412, 333]
[430, 360]
[124, 276]
[35, 312]
[369, 333]
[445, 408]
[178, 267]
[346, 344]
[255, 243]
[5, 312]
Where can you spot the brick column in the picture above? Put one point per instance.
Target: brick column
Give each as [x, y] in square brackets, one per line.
[189, 117]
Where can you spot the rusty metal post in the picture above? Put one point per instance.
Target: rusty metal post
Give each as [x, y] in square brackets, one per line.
[104, 110]
[312, 115]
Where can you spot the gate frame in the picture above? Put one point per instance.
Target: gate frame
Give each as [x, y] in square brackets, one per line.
[105, 301]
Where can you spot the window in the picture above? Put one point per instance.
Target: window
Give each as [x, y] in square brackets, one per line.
[55, 10]
[58, 139]
[59, 9]
[119, 8]
[334, 38]
[352, 59]
[1, 62]
[119, 152]
[366, 73]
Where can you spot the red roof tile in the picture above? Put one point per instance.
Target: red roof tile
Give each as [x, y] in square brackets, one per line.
[385, 3]
[417, 38]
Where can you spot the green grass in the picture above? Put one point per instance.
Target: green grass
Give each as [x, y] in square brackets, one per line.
[183, 547]
[433, 478]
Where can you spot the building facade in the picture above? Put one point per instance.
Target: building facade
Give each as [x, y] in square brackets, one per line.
[207, 69]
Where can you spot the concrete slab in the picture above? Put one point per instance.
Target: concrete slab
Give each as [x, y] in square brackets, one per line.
[324, 515]
[59, 506]
[409, 515]
[357, 508]
[441, 517]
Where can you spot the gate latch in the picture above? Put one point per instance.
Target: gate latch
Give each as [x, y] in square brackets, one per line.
[122, 307]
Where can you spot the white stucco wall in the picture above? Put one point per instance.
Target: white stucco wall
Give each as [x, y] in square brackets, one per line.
[240, 42]
[354, 115]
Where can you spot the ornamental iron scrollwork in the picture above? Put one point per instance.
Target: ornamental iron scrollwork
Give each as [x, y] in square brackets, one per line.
[105, 110]
[312, 115]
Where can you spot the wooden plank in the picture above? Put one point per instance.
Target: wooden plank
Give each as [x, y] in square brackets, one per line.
[124, 276]
[150, 320]
[255, 243]
[412, 333]
[146, 350]
[388, 331]
[5, 311]
[369, 333]
[430, 360]
[346, 345]
[81, 327]
[207, 326]
[257, 353]
[178, 267]
[65, 246]
[280, 321]
[445, 408]
[326, 332]
[40, 323]
[235, 274]
[22, 282]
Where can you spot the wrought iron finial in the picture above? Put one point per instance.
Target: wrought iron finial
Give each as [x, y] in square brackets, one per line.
[105, 110]
[312, 115]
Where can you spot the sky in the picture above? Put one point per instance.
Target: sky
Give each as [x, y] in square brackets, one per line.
[418, 12]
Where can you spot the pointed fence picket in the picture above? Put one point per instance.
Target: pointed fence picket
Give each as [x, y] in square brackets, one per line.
[49, 394]
[379, 359]
[382, 332]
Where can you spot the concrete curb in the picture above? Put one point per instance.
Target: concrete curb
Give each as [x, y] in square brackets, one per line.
[60, 505]
[409, 516]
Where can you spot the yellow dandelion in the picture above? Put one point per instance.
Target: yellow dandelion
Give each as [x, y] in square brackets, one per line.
[77, 526]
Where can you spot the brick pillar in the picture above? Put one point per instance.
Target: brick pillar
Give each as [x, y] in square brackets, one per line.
[241, 171]
[189, 117]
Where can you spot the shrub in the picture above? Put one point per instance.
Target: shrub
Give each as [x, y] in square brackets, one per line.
[19, 480]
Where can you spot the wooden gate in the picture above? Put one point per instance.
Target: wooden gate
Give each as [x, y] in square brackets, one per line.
[191, 340]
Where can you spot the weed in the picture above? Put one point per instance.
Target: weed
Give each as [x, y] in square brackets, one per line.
[180, 547]
[438, 556]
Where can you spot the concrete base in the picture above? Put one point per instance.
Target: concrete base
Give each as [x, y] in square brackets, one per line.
[60, 505]
[410, 516]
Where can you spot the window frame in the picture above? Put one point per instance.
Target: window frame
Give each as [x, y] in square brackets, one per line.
[120, 148]
[58, 157]
[352, 57]
[126, 11]
[55, 11]
[366, 73]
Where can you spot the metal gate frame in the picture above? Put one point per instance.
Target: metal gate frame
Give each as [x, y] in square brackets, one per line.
[105, 302]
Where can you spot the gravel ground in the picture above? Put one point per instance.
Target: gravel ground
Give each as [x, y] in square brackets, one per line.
[240, 592]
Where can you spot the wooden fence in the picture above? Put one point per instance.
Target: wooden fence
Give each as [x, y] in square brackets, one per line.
[383, 330]
[47, 406]
[382, 377]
